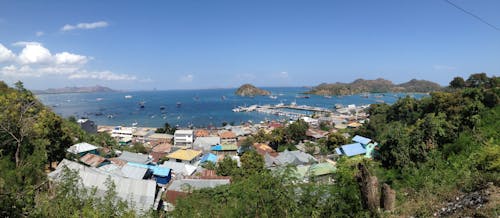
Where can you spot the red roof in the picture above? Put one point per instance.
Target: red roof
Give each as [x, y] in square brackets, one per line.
[262, 149]
[201, 133]
[227, 135]
[163, 148]
[92, 159]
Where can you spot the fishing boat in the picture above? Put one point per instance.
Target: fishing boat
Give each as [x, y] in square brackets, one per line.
[99, 99]
[162, 107]
[179, 104]
[141, 104]
[328, 96]
[134, 124]
[273, 97]
[128, 96]
[302, 96]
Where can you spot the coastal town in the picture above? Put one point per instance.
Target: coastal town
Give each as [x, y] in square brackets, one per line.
[159, 175]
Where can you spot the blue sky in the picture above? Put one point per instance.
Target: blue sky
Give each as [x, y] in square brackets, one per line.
[217, 44]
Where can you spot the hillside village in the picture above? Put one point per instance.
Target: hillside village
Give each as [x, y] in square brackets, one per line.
[159, 176]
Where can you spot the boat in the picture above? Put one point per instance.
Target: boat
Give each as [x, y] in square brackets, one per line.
[128, 96]
[162, 107]
[223, 97]
[99, 99]
[380, 101]
[273, 97]
[141, 104]
[134, 124]
[328, 96]
[179, 104]
[302, 96]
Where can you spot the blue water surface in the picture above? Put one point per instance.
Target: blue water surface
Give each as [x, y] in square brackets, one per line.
[199, 108]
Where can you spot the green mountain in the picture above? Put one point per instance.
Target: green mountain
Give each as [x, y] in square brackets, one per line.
[373, 86]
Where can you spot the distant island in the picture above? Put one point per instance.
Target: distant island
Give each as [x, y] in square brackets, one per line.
[75, 89]
[373, 86]
[250, 90]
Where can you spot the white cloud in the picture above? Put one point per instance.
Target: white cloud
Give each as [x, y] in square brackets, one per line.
[103, 75]
[68, 58]
[35, 60]
[39, 33]
[187, 78]
[85, 26]
[6, 54]
[34, 53]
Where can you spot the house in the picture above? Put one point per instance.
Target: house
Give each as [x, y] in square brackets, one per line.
[179, 169]
[160, 151]
[141, 135]
[205, 143]
[125, 170]
[209, 157]
[322, 172]
[361, 145]
[225, 149]
[161, 174]
[201, 133]
[93, 160]
[264, 149]
[87, 125]
[227, 137]
[139, 194]
[310, 121]
[180, 188]
[293, 158]
[361, 139]
[188, 156]
[183, 138]
[83, 148]
[316, 133]
[135, 157]
[350, 150]
[159, 138]
[123, 134]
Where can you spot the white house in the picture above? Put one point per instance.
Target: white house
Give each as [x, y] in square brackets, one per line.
[183, 137]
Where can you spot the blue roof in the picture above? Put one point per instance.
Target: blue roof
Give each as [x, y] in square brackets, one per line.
[160, 171]
[353, 149]
[157, 170]
[209, 157]
[361, 139]
[216, 148]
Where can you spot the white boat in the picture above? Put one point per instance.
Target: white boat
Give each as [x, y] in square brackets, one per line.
[273, 97]
[134, 124]
[128, 96]
[98, 99]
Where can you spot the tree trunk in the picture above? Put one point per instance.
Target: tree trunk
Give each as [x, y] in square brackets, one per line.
[368, 186]
[388, 197]
[18, 150]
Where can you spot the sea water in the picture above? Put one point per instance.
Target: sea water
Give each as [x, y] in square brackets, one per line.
[198, 108]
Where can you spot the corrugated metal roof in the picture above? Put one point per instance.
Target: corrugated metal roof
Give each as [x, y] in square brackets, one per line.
[139, 193]
[157, 170]
[294, 158]
[361, 139]
[162, 148]
[179, 168]
[322, 169]
[133, 171]
[81, 147]
[184, 154]
[92, 159]
[352, 149]
[135, 157]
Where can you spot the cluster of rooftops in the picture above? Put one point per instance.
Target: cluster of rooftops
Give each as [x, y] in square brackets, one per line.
[167, 167]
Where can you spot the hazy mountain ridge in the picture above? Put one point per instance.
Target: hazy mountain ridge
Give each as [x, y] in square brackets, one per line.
[74, 89]
[373, 86]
